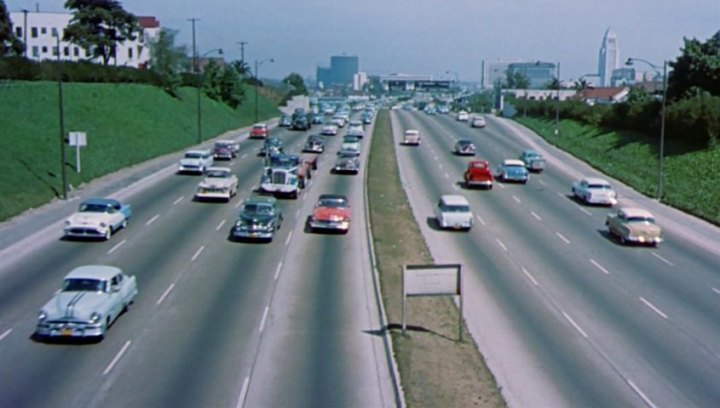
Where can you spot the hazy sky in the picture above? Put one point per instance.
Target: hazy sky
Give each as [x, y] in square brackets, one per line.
[428, 37]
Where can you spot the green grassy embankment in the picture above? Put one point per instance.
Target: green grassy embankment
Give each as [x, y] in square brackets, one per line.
[436, 370]
[692, 177]
[125, 124]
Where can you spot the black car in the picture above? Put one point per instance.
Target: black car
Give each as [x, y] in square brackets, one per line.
[314, 144]
[259, 218]
[301, 122]
[285, 121]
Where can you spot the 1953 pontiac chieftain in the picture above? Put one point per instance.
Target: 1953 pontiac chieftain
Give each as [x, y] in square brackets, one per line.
[90, 300]
[97, 218]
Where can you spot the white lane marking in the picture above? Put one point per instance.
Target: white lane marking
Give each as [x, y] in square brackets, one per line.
[199, 251]
[597, 265]
[243, 393]
[575, 325]
[220, 225]
[565, 240]
[655, 309]
[178, 200]
[642, 395]
[662, 259]
[585, 211]
[165, 294]
[502, 186]
[277, 271]
[264, 318]
[480, 219]
[529, 276]
[455, 186]
[501, 245]
[118, 245]
[239, 204]
[151, 220]
[440, 165]
[447, 176]
[5, 334]
[517, 200]
[117, 357]
[541, 182]
[560, 194]
[297, 213]
[244, 155]
[537, 217]
[287, 240]
[716, 290]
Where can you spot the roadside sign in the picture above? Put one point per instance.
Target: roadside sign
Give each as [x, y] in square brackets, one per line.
[432, 280]
[77, 139]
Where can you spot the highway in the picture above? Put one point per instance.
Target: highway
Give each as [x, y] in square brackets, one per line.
[564, 315]
[216, 323]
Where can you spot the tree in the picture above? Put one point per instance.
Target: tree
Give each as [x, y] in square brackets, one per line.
[9, 43]
[99, 25]
[696, 70]
[242, 68]
[167, 61]
[223, 83]
[296, 83]
[516, 80]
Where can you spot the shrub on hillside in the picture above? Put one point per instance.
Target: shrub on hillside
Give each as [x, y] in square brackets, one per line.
[696, 119]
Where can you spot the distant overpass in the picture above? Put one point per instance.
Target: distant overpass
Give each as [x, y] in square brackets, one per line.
[402, 82]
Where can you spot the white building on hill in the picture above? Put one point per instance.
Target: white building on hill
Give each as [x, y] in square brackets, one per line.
[39, 32]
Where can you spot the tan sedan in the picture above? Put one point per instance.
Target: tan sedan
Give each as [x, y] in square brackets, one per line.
[634, 225]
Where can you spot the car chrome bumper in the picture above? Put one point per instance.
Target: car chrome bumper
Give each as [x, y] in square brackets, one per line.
[69, 330]
[330, 225]
[85, 232]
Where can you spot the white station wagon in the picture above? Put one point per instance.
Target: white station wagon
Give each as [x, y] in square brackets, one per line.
[453, 212]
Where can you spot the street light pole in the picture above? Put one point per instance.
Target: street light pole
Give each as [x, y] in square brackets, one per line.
[199, 85]
[63, 172]
[557, 105]
[661, 152]
[257, 80]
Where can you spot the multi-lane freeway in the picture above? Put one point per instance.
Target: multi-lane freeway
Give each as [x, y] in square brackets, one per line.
[565, 315]
[216, 323]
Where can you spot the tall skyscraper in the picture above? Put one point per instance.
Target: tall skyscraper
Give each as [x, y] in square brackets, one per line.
[341, 71]
[609, 57]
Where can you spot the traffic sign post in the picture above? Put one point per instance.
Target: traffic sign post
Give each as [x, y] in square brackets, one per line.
[77, 139]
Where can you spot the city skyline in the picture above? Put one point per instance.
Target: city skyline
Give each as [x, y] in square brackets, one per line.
[424, 37]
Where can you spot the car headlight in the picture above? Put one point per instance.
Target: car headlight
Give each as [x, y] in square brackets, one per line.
[95, 317]
[103, 225]
[42, 316]
[67, 223]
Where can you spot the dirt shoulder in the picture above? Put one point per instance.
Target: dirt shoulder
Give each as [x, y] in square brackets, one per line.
[436, 369]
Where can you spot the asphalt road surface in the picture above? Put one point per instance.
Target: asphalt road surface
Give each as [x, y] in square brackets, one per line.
[216, 323]
[565, 315]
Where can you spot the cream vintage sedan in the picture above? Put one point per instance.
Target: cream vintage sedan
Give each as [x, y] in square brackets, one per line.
[90, 300]
[634, 226]
[219, 183]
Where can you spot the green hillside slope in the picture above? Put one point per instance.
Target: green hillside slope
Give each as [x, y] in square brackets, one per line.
[125, 124]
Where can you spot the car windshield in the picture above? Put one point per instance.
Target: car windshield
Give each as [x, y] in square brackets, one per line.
[218, 174]
[332, 203]
[456, 208]
[88, 207]
[222, 145]
[258, 208]
[193, 155]
[84, 285]
[599, 186]
[640, 220]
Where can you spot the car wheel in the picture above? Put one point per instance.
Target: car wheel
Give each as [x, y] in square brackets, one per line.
[622, 239]
[108, 234]
[125, 223]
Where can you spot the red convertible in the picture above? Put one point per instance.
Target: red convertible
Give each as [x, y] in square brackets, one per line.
[331, 213]
[478, 174]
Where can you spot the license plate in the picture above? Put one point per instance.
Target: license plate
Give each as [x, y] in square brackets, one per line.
[66, 332]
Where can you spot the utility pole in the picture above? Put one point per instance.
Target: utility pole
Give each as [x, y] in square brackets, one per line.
[557, 105]
[196, 71]
[242, 50]
[25, 13]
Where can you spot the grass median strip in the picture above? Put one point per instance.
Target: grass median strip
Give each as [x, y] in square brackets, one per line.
[435, 369]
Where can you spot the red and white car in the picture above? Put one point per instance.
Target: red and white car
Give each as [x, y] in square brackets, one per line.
[259, 131]
[331, 213]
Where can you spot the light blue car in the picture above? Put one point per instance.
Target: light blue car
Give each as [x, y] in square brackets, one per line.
[513, 170]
